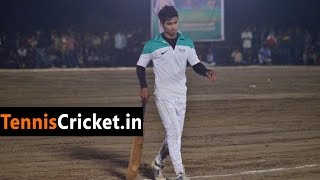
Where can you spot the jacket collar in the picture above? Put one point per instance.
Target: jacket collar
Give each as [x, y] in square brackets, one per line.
[159, 37]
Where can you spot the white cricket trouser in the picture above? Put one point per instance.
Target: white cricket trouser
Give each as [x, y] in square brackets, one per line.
[172, 112]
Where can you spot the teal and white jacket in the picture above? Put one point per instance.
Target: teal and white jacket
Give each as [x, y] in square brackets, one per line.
[169, 65]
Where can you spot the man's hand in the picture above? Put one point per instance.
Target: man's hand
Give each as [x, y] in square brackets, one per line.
[211, 75]
[144, 94]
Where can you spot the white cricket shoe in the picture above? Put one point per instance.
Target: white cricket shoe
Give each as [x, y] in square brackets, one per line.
[158, 170]
[182, 176]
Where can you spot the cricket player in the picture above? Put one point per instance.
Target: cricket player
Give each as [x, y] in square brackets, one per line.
[170, 52]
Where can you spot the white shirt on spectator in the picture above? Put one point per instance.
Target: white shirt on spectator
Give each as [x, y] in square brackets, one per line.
[246, 37]
[120, 41]
[237, 56]
[22, 52]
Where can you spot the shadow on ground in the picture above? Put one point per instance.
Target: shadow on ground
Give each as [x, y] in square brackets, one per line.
[103, 157]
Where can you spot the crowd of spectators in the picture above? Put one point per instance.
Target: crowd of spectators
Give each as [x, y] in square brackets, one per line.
[71, 48]
[122, 47]
[266, 46]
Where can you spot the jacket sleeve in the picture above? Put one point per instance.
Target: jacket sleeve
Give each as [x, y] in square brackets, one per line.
[193, 57]
[145, 56]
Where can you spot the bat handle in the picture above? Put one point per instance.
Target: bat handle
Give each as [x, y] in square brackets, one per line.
[144, 104]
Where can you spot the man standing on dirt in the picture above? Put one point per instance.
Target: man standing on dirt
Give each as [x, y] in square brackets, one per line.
[170, 52]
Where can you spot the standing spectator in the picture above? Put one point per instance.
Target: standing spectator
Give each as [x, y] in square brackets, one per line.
[96, 41]
[307, 37]
[31, 55]
[247, 37]
[271, 40]
[32, 41]
[106, 41]
[263, 36]
[3, 42]
[256, 38]
[21, 58]
[285, 42]
[56, 41]
[120, 43]
[31, 45]
[18, 40]
[41, 49]
[68, 49]
[3, 49]
[71, 50]
[298, 45]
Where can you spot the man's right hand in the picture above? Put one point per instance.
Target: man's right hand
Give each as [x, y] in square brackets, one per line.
[144, 94]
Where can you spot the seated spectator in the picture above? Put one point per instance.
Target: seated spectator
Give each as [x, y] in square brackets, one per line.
[53, 58]
[93, 59]
[11, 61]
[210, 61]
[237, 57]
[264, 55]
[309, 55]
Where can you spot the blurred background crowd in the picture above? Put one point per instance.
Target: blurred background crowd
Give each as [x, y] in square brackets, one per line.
[71, 48]
[83, 33]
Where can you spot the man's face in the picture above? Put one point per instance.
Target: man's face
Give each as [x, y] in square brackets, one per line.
[171, 26]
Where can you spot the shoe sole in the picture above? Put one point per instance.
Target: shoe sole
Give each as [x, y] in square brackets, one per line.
[158, 178]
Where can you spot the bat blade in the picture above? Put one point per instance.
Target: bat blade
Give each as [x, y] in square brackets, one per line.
[136, 151]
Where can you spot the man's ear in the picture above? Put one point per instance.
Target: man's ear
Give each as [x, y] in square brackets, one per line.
[161, 23]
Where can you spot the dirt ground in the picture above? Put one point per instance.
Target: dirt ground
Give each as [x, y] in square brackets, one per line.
[253, 123]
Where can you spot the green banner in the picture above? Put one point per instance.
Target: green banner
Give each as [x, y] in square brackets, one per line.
[202, 20]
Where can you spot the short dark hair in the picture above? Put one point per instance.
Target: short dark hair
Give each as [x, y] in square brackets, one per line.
[167, 13]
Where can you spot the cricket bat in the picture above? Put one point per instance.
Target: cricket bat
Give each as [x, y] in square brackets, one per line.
[136, 151]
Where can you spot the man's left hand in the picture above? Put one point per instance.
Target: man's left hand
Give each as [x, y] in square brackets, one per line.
[211, 75]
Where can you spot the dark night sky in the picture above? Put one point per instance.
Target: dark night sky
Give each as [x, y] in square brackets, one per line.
[31, 14]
